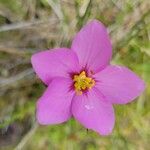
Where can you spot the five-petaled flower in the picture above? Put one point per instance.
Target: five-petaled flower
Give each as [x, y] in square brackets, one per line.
[82, 83]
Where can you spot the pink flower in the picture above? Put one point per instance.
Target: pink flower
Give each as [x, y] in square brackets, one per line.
[81, 82]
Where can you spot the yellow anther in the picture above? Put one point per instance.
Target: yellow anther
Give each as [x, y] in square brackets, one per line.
[82, 82]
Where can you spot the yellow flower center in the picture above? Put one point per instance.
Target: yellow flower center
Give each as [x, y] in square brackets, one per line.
[82, 82]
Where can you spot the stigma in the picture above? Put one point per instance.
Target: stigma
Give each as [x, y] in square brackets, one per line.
[82, 82]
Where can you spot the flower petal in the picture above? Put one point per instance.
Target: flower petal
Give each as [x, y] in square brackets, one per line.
[119, 85]
[93, 47]
[93, 112]
[54, 106]
[57, 62]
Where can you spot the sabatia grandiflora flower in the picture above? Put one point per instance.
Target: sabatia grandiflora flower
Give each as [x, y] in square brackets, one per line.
[82, 83]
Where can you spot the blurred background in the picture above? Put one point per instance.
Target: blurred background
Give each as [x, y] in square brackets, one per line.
[27, 26]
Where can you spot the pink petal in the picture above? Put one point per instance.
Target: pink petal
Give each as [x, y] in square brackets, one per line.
[93, 47]
[119, 85]
[93, 112]
[57, 62]
[54, 106]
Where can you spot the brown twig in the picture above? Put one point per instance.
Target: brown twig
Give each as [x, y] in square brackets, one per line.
[24, 25]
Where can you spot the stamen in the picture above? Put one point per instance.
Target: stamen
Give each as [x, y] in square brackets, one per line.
[82, 82]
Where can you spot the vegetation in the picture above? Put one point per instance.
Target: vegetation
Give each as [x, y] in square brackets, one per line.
[27, 26]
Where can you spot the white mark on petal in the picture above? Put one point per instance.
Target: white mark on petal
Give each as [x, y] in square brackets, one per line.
[89, 107]
[119, 68]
